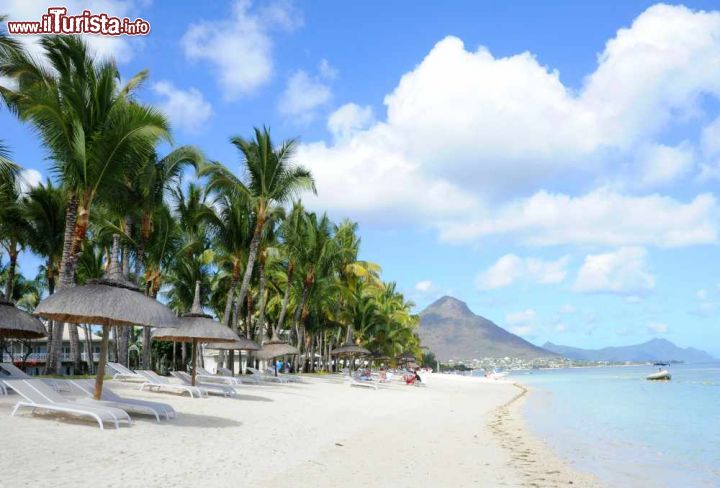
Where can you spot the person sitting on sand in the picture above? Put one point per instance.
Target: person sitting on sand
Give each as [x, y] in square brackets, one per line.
[410, 378]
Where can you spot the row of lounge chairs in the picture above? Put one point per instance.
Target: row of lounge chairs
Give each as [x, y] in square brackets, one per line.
[113, 409]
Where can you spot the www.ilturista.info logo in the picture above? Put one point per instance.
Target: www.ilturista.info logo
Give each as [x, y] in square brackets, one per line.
[57, 21]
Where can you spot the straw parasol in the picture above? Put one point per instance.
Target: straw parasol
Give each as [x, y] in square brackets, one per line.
[406, 357]
[196, 326]
[17, 323]
[243, 344]
[349, 349]
[109, 301]
[275, 347]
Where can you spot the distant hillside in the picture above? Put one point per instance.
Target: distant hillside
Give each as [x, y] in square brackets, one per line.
[452, 331]
[653, 350]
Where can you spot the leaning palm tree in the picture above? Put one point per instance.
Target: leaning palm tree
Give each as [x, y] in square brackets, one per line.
[93, 130]
[270, 180]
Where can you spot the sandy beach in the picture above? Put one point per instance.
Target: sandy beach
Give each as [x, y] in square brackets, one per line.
[455, 432]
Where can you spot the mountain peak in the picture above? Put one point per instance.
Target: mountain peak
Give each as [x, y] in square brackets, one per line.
[452, 331]
[449, 304]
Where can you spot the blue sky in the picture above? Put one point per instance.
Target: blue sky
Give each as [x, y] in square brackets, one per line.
[553, 164]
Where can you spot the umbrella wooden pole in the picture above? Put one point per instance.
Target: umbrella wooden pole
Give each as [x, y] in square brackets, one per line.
[100, 377]
[194, 360]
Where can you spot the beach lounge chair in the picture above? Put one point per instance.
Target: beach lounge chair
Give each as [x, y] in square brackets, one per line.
[121, 373]
[267, 377]
[360, 384]
[206, 376]
[155, 382]
[8, 371]
[37, 395]
[132, 405]
[216, 389]
[291, 378]
[244, 379]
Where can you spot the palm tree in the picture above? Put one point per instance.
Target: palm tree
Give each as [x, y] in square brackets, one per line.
[14, 227]
[231, 229]
[94, 132]
[270, 180]
[45, 213]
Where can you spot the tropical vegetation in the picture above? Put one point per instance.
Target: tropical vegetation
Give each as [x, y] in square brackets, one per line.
[267, 264]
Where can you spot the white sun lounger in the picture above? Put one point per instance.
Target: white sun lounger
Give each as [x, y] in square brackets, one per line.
[243, 379]
[206, 376]
[121, 373]
[112, 399]
[360, 384]
[155, 382]
[217, 389]
[267, 377]
[12, 372]
[39, 396]
[291, 378]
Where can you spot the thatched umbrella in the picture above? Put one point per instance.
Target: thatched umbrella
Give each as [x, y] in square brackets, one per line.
[349, 349]
[196, 326]
[17, 323]
[242, 344]
[274, 348]
[110, 301]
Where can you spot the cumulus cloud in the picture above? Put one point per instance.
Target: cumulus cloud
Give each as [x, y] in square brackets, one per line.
[510, 269]
[305, 93]
[29, 178]
[657, 327]
[621, 272]
[551, 219]
[122, 48]
[423, 286]
[660, 164]
[474, 134]
[187, 109]
[240, 47]
[349, 119]
[522, 323]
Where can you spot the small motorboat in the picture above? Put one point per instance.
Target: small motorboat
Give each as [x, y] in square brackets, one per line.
[662, 375]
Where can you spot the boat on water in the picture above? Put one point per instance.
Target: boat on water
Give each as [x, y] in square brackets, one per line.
[662, 375]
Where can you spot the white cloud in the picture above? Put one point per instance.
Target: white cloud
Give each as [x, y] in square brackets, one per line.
[423, 286]
[187, 109]
[660, 164]
[511, 268]
[623, 272]
[29, 178]
[240, 47]
[567, 309]
[474, 134]
[303, 94]
[657, 327]
[349, 119]
[551, 219]
[706, 303]
[522, 323]
[120, 47]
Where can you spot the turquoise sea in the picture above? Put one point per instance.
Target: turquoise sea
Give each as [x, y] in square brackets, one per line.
[628, 431]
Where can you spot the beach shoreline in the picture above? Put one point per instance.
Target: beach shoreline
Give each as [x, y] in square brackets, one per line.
[456, 432]
[538, 464]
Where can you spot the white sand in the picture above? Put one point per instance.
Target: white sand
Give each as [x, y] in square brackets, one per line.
[318, 434]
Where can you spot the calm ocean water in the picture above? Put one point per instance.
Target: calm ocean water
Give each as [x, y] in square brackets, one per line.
[628, 431]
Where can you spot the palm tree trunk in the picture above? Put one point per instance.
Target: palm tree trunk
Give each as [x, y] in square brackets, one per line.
[228, 307]
[67, 278]
[286, 296]
[261, 305]
[252, 256]
[147, 349]
[12, 266]
[89, 349]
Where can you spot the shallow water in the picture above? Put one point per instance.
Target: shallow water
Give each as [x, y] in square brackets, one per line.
[628, 431]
